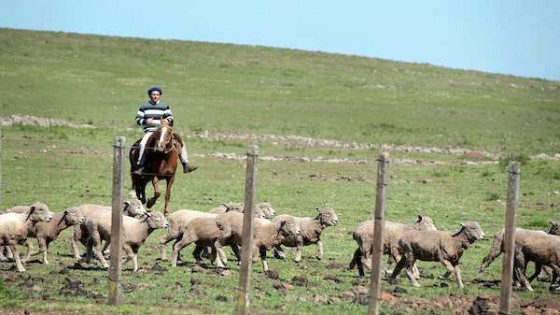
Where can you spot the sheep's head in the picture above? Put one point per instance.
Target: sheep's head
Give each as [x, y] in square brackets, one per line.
[134, 208]
[288, 227]
[156, 220]
[39, 212]
[73, 216]
[554, 228]
[233, 206]
[265, 210]
[327, 217]
[472, 230]
[424, 223]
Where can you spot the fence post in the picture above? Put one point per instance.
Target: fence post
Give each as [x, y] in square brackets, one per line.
[509, 238]
[378, 233]
[242, 306]
[116, 224]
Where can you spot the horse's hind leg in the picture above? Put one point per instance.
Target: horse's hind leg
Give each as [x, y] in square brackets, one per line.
[152, 201]
[169, 181]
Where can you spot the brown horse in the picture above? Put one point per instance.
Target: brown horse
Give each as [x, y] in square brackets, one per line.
[160, 162]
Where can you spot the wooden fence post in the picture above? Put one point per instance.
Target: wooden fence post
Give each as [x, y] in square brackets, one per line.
[116, 224]
[378, 233]
[509, 238]
[242, 306]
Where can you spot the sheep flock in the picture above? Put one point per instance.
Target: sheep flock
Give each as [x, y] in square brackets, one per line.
[213, 230]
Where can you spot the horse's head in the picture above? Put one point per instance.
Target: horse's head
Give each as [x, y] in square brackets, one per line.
[163, 137]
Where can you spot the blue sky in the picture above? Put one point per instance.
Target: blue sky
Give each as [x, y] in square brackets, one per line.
[515, 37]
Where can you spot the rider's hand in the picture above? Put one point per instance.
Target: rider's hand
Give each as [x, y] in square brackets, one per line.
[149, 121]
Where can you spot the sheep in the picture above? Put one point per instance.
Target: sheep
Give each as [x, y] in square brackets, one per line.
[543, 249]
[392, 232]
[439, 246]
[311, 229]
[15, 227]
[177, 222]
[179, 219]
[266, 234]
[132, 208]
[204, 232]
[262, 209]
[521, 236]
[46, 232]
[134, 233]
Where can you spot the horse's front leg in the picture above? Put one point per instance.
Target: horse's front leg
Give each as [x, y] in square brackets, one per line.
[169, 181]
[157, 193]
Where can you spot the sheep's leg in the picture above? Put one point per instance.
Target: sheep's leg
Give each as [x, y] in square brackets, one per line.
[320, 248]
[410, 263]
[106, 251]
[538, 269]
[400, 265]
[357, 261]
[217, 255]
[43, 248]
[236, 252]
[262, 252]
[178, 246]
[129, 255]
[19, 264]
[299, 248]
[96, 244]
[455, 270]
[29, 250]
[278, 252]
[520, 265]
[495, 251]
[172, 234]
[74, 243]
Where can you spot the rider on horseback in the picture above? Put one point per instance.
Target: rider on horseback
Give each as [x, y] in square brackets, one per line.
[149, 117]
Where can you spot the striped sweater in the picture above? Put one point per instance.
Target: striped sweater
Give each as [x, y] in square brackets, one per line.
[157, 112]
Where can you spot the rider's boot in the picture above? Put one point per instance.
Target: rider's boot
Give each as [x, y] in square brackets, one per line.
[187, 168]
[140, 166]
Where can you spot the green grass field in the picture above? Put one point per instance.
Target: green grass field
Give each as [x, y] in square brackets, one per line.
[450, 135]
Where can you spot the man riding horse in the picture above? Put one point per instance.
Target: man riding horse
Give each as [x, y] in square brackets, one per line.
[149, 117]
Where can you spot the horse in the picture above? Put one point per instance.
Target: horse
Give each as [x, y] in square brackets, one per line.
[160, 162]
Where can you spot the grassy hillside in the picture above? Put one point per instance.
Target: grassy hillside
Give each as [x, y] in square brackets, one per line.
[288, 101]
[233, 89]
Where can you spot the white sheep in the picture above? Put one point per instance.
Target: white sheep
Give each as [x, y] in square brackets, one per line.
[134, 233]
[15, 227]
[46, 232]
[132, 208]
[311, 229]
[392, 232]
[544, 250]
[439, 246]
[266, 234]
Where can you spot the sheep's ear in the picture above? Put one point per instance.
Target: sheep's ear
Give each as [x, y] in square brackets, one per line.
[126, 205]
[420, 218]
[280, 225]
[318, 210]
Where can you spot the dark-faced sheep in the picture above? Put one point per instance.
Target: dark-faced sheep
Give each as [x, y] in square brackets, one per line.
[392, 232]
[521, 236]
[311, 229]
[544, 250]
[441, 246]
[266, 234]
